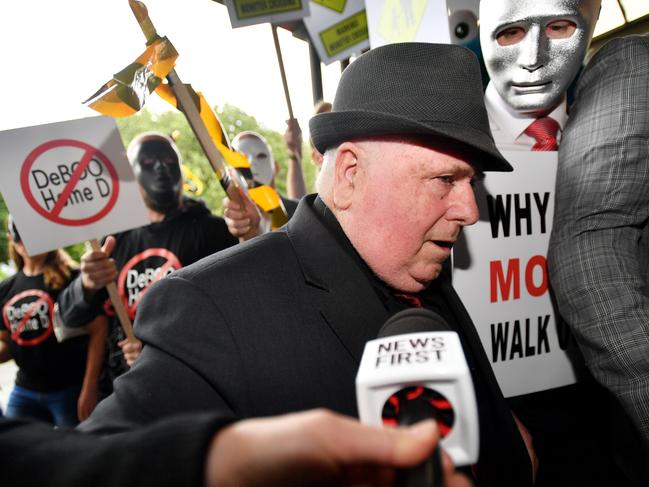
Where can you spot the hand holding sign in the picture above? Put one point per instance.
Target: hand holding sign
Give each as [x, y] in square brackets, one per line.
[97, 268]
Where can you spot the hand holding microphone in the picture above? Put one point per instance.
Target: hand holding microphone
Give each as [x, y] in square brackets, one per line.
[416, 370]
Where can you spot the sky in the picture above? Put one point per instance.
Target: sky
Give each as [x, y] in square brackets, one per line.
[58, 53]
[55, 54]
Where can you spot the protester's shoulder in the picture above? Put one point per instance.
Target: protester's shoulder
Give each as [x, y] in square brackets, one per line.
[622, 49]
[194, 208]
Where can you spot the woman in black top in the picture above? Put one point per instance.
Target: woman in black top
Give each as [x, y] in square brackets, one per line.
[56, 382]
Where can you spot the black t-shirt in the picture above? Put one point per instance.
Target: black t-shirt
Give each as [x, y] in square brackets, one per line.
[44, 364]
[146, 254]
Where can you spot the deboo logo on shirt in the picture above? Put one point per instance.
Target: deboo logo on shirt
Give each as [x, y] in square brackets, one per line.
[141, 271]
[28, 316]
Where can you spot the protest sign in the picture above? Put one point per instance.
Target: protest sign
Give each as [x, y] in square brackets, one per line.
[337, 28]
[392, 21]
[500, 273]
[249, 12]
[68, 182]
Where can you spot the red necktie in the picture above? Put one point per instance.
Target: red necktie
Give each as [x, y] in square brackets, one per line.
[544, 131]
[410, 299]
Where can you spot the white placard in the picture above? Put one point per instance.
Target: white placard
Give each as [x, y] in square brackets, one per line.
[337, 28]
[68, 182]
[500, 273]
[250, 12]
[392, 21]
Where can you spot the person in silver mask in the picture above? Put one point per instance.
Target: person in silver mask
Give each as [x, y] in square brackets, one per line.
[533, 50]
[264, 168]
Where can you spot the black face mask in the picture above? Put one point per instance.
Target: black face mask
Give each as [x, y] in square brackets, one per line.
[157, 169]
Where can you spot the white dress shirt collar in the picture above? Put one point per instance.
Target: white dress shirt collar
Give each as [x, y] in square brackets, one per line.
[508, 126]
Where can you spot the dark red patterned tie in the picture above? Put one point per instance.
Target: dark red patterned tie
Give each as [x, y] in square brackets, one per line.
[544, 131]
[409, 299]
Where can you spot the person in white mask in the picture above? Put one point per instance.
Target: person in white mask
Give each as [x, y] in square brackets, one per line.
[264, 168]
[533, 50]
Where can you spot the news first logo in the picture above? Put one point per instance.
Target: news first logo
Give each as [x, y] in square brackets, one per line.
[409, 351]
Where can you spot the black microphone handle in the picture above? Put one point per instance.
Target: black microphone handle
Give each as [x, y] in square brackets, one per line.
[429, 473]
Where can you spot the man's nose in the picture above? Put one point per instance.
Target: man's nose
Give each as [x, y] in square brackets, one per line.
[464, 208]
[533, 49]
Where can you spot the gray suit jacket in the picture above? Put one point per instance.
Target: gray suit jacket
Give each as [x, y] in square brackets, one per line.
[599, 249]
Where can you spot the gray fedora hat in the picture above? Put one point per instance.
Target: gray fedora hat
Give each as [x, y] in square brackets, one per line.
[411, 88]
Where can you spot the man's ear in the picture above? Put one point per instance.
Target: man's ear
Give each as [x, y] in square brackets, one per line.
[345, 170]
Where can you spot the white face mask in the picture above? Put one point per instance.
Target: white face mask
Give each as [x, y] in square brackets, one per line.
[259, 155]
[533, 49]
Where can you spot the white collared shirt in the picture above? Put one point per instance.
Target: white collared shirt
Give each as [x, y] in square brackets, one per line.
[508, 126]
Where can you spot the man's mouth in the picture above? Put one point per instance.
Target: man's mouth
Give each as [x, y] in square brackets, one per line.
[444, 244]
[526, 88]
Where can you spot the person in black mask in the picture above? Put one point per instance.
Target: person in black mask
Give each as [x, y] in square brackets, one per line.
[156, 166]
[182, 231]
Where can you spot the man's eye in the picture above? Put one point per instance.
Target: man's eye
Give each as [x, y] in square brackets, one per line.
[446, 179]
[510, 36]
[146, 161]
[560, 29]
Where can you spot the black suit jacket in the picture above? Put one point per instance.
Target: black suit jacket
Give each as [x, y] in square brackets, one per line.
[169, 453]
[275, 325]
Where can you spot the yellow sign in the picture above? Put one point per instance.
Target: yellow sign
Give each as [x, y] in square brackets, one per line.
[335, 5]
[255, 8]
[400, 20]
[345, 34]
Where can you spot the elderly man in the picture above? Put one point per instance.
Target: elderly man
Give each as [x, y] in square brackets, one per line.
[278, 324]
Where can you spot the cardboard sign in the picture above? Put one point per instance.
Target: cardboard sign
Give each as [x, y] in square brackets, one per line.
[392, 21]
[249, 12]
[500, 273]
[68, 182]
[338, 29]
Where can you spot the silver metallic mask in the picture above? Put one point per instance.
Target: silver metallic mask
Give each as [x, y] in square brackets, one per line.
[259, 154]
[533, 49]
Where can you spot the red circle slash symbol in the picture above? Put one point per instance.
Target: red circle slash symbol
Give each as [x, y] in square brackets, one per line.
[45, 329]
[90, 154]
[133, 292]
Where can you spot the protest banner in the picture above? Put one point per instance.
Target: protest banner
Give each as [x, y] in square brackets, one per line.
[337, 28]
[500, 273]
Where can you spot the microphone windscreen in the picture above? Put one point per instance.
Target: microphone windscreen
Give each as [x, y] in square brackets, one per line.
[413, 320]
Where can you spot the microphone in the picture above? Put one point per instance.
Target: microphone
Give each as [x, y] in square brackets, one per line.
[416, 370]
